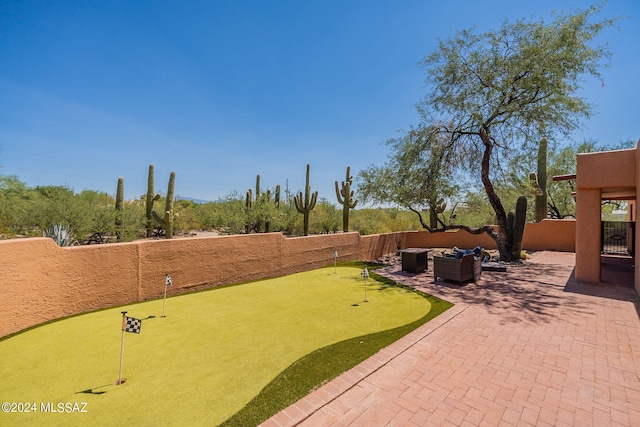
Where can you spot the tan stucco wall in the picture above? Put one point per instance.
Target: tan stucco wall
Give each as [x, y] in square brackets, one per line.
[597, 174]
[555, 235]
[634, 216]
[588, 234]
[42, 281]
[550, 234]
[609, 169]
[449, 239]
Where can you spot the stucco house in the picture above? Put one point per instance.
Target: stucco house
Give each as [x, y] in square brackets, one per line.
[610, 175]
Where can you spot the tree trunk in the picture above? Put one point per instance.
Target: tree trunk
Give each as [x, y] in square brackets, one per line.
[502, 240]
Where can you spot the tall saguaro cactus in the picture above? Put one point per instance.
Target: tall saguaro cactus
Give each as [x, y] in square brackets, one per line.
[306, 206]
[345, 198]
[277, 196]
[119, 209]
[515, 226]
[539, 182]
[167, 221]
[248, 203]
[151, 198]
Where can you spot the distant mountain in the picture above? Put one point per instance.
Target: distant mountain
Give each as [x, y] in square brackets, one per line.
[191, 199]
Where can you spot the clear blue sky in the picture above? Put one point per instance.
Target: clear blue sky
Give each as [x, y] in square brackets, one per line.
[220, 91]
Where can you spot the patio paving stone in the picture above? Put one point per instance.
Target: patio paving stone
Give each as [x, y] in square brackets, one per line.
[530, 346]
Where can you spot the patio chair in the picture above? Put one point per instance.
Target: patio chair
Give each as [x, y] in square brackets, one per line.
[459, 270]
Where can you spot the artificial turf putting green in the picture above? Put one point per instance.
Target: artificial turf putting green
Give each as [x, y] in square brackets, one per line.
[213, 353]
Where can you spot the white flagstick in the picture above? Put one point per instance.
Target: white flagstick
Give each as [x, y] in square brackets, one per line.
[335, 261]
[120, 379]
[365, 274]
[167, 283]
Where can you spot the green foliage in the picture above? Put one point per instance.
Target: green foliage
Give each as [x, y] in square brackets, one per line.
[276, 205]
[370, 221]
[306, 205]
[226, 215]
[262, 213]
[324, 219]
[346, 199]
[377, 221]
[415, 176]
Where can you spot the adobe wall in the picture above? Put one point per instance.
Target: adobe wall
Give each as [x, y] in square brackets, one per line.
[43, 282]
[613, 172]
[550, 235]
[554, 235]
[606, 169]
[634, 215]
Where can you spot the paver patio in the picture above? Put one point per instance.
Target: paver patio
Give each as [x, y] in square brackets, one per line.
[532, 346]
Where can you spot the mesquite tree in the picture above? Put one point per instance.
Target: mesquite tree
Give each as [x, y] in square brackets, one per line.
[491, 96]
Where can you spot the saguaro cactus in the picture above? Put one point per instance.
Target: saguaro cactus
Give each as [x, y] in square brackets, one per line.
[541, 201]
[277, 196]
[306, 206]
[515, 226]
[345, 198]
[248, 203]
[119, 209]
[539, 182]
[167, 221]
[151, 198]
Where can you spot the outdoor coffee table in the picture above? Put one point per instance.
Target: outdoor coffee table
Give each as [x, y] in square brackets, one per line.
[414, 260]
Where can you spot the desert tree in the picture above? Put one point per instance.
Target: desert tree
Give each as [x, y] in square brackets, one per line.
[492, 96]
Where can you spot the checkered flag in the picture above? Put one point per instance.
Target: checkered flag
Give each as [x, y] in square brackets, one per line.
[131, 324]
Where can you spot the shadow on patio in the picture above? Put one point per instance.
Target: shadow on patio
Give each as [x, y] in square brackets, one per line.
[533, 292]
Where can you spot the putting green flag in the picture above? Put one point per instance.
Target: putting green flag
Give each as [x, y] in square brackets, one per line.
[131, 324]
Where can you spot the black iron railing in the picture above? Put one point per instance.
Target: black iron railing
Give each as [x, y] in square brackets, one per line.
[618, 238]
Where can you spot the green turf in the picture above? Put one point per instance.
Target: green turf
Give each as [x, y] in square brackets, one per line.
[210, 357]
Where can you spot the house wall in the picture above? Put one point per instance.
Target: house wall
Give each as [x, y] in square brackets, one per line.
[588, 238]
[608, 169]
[612, 172]
[634, 215]
[42, 281]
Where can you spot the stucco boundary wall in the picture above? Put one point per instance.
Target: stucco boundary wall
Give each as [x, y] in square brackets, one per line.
[43, 282]
[547, 235]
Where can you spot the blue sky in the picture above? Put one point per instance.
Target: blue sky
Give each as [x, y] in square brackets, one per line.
[220, 91]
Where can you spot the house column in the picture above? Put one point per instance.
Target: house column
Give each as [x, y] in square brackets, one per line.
[588, 238]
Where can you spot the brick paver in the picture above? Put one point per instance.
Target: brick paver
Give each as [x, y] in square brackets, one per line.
[531, 346]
